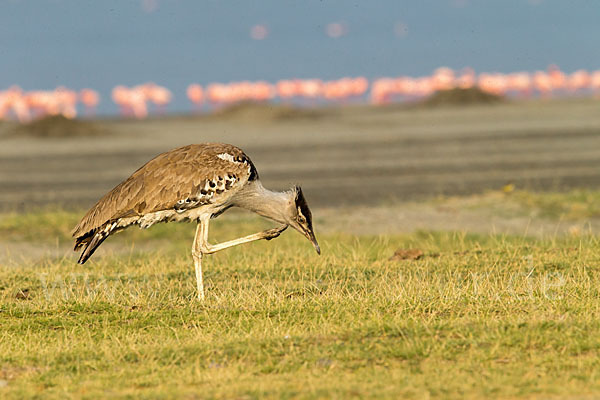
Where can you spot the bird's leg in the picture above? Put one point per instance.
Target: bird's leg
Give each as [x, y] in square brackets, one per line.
[197, 255]
[207, 248]
[201, 247]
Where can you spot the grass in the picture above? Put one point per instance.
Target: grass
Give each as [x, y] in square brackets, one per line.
[575, 204]
[570, 205]
[478, 316]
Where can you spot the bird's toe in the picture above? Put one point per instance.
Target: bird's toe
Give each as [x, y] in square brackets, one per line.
[275, 232]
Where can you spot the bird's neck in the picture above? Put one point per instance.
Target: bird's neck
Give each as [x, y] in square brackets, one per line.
[269, 204]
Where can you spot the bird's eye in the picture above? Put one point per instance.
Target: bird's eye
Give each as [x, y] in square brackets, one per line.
[301, 219]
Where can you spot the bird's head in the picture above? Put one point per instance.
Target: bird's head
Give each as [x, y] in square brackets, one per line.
[300, 217]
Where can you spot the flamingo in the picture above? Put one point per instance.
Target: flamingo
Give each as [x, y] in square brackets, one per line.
[158, 95]
[286, 89]
[196, 95]
[90, 99]
[442, 79]
[133, 101]
[466, 80]
[17, 103]
[542, 83]
[578, 80]
[595, 82]
[558, 80]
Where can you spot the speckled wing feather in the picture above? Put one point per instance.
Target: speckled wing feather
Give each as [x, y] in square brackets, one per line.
[179, 180]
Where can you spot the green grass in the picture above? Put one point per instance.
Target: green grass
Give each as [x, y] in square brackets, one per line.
[570, 205]
[575, 204]
[476, 317]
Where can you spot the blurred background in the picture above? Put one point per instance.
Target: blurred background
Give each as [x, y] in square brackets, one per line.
[366, 104]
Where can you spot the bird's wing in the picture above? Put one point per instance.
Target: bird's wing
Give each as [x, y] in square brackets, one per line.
[182, 178]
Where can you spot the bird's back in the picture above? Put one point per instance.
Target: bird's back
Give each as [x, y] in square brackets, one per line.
[169, 187]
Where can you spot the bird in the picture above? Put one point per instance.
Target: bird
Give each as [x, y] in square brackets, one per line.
[193, 183]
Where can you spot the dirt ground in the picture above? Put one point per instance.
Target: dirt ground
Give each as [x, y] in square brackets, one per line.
[351, 156]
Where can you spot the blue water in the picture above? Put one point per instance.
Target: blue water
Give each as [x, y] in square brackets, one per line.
[99, 44]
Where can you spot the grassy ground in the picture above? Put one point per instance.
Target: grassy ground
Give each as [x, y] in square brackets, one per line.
[477, 316]
[571, 205]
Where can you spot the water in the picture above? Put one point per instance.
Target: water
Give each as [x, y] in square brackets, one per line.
[174, 43]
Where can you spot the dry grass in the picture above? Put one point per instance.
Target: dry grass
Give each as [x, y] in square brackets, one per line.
[573, 205]
[474, 317]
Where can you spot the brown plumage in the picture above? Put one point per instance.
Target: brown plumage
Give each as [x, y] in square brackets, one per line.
[193, 183]
[168, 187]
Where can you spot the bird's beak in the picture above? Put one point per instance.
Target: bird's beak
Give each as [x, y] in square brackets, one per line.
[310, 235]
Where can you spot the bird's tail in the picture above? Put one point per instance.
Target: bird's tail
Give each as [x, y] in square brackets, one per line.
[91, 241]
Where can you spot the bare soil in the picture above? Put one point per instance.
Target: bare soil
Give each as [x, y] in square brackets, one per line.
[354, 156]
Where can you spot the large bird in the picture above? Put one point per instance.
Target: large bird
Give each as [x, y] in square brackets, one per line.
[193, 183]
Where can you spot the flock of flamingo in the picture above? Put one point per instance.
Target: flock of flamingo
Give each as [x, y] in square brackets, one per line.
[25, 106]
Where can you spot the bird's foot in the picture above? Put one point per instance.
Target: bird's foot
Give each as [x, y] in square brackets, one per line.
[197, 254]
[273, 233]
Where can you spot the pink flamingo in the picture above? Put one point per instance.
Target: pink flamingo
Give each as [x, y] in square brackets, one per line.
[359, 86]
[120, 95]
[218, 93]
[287, 89]
[578, 81]
[137, 98]
[67, 102]
[466, 80]
[520, 83]
[90, 99]
[158, 95]
[442, 79]
[595, 83]
[18, 104]
[381, 90]
[263, 91]
[196, 95]
[494, 83]
[311, 88]
[542, 83]
[558, 80]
